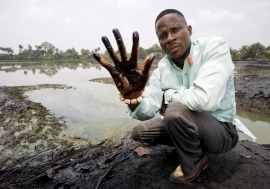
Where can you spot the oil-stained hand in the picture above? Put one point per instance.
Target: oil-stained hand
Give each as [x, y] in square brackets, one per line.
[129, 79]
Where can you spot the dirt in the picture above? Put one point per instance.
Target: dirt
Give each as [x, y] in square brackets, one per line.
[34, 154]
[253, 93]
[258, 65]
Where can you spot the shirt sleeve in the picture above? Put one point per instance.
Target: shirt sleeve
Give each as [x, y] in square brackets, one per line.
[209, 87]
[151, 103]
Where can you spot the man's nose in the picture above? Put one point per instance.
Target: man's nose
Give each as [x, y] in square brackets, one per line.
[170, 37]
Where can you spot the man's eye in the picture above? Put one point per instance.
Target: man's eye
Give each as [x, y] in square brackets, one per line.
[162, 36]
[176, 29]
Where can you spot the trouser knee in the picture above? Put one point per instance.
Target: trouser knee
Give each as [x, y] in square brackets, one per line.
[174, 114]
[136, 132]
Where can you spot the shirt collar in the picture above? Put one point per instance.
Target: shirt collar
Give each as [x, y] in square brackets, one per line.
[190, 55]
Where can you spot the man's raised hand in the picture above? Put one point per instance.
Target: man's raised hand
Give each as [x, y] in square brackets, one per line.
[129, 79]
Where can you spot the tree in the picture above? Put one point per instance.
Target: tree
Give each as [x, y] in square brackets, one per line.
[97, 49]
[143, 53]
[235, 54]
[85, 54]
[71, 54]
[30, 48]
[267, 52]
[7, 50]
[243, 52]
[57, 54]
[157, 50]
[47, 48]
[256, 51]
[253, 52]
[20, 48]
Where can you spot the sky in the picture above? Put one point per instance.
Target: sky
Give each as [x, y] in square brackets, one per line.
[81, 23]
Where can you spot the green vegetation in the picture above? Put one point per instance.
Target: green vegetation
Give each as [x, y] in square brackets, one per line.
[47, 51]
[255, 51]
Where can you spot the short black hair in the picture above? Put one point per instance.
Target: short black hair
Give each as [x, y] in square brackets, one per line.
[168, 11]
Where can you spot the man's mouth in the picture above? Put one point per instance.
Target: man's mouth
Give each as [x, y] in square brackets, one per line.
[173, 48]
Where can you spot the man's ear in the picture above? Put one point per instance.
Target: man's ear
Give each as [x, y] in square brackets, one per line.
[190, 29]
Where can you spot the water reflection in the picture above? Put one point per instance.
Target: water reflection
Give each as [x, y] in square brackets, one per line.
[65, 63]
[258, 124]
[49, 72]
[8, 66]
[253, 116]
[92, 110]
[49, 68]
[61, 75]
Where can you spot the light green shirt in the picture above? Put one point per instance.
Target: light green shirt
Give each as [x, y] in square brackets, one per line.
[206, 86]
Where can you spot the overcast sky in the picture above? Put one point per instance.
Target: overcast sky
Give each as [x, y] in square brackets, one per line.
[82, 23]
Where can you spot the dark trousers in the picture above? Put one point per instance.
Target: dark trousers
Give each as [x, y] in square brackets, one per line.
[191, 133]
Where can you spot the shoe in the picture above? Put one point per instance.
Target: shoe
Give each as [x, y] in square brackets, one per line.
[178, 176]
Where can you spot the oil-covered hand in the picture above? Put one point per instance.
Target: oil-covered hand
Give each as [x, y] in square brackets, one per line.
[129, 79]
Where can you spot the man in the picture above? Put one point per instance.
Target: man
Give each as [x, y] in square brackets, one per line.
[195, 84]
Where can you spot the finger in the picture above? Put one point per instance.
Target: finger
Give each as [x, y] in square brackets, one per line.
[120, 43]
[121, 97]
[125, 85]
[101, 60]
[135, 49]
[147, 64]
[110, 50]
[122, 84]
[106, 64]
[120, 81]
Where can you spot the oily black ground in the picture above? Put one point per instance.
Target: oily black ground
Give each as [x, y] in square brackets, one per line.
[117, 165]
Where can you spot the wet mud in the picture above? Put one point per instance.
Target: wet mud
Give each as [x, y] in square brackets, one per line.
[27, 128]
[118, 165]
[253, 93]
[252, 86]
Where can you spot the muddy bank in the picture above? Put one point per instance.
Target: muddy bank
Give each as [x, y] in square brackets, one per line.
[259, 65]
[253, 93]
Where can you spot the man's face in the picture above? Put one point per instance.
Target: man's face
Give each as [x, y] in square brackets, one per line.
[174, 35]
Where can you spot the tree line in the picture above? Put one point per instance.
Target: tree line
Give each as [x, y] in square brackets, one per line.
[255, 51]
[47, 51]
